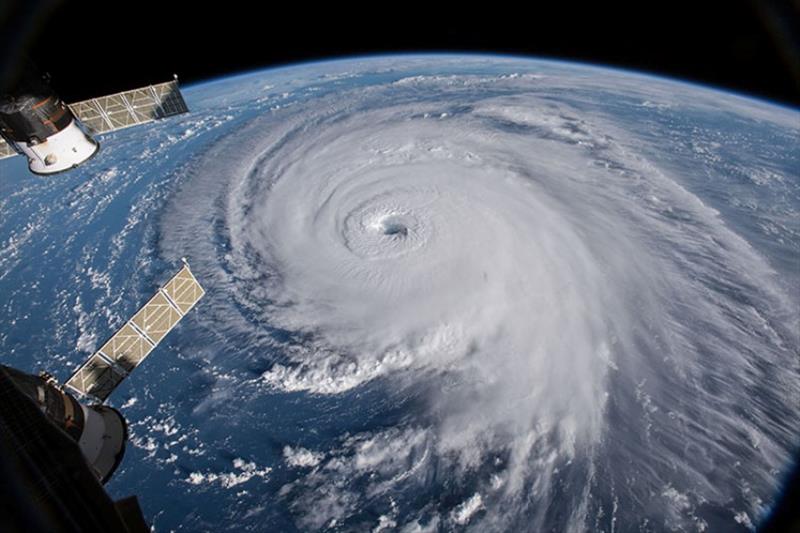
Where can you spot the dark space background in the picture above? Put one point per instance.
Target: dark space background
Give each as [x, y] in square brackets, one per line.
[97, 47]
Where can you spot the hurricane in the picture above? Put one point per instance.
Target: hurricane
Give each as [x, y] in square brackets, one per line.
[496, 305]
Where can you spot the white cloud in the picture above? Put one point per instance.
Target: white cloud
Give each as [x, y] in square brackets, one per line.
[243, 472]
[385, 523]
[462, 514]
[301, 457]
[743, 518]
[529, 278]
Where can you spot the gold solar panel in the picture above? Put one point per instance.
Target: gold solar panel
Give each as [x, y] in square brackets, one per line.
[96, 377]
[127, 348]
[156, 318]
[134, 341]
[184, 290]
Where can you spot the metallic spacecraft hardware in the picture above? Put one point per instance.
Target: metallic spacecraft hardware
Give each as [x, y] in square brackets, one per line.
[127, 348]
[130, 108]
[36, 123]
[99, 430]
[57, 137]
[57, 449]
[48, 484]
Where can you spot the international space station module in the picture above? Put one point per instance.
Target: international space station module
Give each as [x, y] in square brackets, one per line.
[56, 137]
[100, 430]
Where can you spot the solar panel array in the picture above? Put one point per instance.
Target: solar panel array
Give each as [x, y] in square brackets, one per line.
[5, 149]
[129, 108]
[125, 109]
[127, 348]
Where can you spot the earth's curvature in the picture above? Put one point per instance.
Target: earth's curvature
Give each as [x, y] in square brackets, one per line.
[445, 293]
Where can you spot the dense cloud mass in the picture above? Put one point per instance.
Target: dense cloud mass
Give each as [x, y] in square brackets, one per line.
[504, 295]
[585, 330]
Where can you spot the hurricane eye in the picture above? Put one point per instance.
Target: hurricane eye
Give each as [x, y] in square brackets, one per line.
[394, 228]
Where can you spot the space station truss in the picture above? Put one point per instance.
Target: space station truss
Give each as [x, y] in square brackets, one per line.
[99, 375]
[122, 110]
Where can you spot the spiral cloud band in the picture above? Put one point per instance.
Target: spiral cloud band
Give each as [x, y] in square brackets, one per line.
[586, 340]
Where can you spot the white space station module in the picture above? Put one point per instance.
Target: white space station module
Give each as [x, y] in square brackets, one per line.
[56, 137]
[100, 430]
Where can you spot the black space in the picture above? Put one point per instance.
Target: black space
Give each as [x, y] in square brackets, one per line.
[92, 48]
